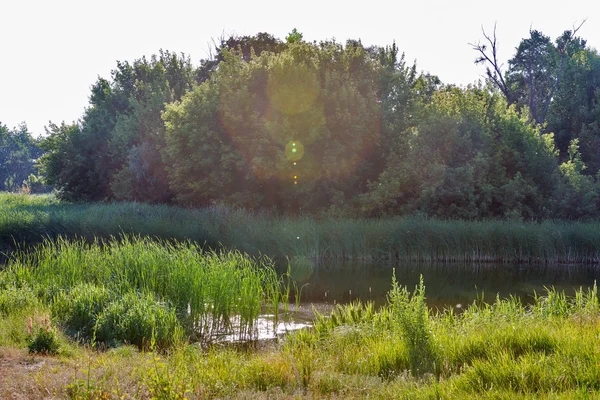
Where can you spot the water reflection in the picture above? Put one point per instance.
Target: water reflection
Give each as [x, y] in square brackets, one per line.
[447, 284]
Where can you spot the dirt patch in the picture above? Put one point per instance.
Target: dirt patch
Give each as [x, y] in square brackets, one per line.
[21, 376]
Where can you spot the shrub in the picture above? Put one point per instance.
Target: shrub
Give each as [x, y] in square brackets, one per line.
[42, 338]
[79, 308]
[138, 319]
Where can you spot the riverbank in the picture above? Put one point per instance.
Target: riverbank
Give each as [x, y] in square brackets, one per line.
[28, 219]
[139, 318]
[501, 350]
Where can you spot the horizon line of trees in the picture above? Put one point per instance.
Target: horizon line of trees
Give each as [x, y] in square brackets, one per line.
[335, 130]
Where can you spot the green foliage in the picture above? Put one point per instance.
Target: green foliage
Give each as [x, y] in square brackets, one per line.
[65, 164]
[34, 184]
[294, 37]
[14, 300]
[31, 218]
[469, 157]
[116, 143]
[138, 319]
[532, 73]
[555, 85]
[504, 349]
[18, 151]
[131, 288]
[166, 384]
[411, 314]
[42, 338]
[234, 138]
[337, 130]
[78, 309]
[577, 193]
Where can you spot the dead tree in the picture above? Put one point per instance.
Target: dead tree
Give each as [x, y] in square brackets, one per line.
[488, 55]
[493, 68]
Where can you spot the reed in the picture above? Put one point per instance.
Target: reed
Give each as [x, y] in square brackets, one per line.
[210, 293]
[30, 219]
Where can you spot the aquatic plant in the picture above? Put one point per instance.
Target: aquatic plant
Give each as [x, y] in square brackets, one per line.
[210, 293]
[30, 219]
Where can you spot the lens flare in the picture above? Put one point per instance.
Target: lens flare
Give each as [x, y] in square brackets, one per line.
[302, 270]
[293, 89]
[294, 151]
[292, 100]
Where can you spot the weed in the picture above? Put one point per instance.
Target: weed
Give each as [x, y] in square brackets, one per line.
[42, 338]
[411, 315]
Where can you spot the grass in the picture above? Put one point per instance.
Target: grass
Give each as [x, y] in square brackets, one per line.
[121, 316]
[136, 290]
[503, 349]
[29, 219]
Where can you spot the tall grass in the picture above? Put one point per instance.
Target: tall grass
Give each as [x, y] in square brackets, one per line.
[504, 349]
[30, 218]
[209, 293]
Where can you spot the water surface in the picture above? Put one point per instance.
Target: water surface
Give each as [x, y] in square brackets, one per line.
[448, 285]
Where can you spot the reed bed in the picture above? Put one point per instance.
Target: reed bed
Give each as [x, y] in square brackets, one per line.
[109, 286]
[28, 219]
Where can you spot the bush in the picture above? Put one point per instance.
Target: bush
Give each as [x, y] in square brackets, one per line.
[42, 339]
[78, 309]
[138, 319]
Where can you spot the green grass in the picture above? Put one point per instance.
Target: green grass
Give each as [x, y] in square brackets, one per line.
[504, 349]
[90, 298]
[28, 219]
[136, 290]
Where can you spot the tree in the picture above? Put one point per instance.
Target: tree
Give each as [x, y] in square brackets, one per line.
[114, 151]
[294, 37]
[246, 45]
[534, 72]
[292, 130]
[488, 55]
[574, 112]
[18, 154]
[576, 194]
[63, 163]
[469, 156]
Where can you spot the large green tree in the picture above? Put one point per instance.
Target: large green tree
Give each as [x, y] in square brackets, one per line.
[294, 130]
[113, 152]
[468, 157]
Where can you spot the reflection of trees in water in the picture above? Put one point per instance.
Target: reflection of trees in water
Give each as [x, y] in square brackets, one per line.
[447, 284]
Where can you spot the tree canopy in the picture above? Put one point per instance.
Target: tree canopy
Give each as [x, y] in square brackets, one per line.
[18, 154]
[338, 129]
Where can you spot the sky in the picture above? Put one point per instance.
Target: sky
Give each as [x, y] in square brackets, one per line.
[52, 51]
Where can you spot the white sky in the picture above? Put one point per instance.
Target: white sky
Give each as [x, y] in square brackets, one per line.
[52, 51]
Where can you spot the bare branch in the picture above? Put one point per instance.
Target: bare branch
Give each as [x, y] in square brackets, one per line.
[580, 25]
[494, 69]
